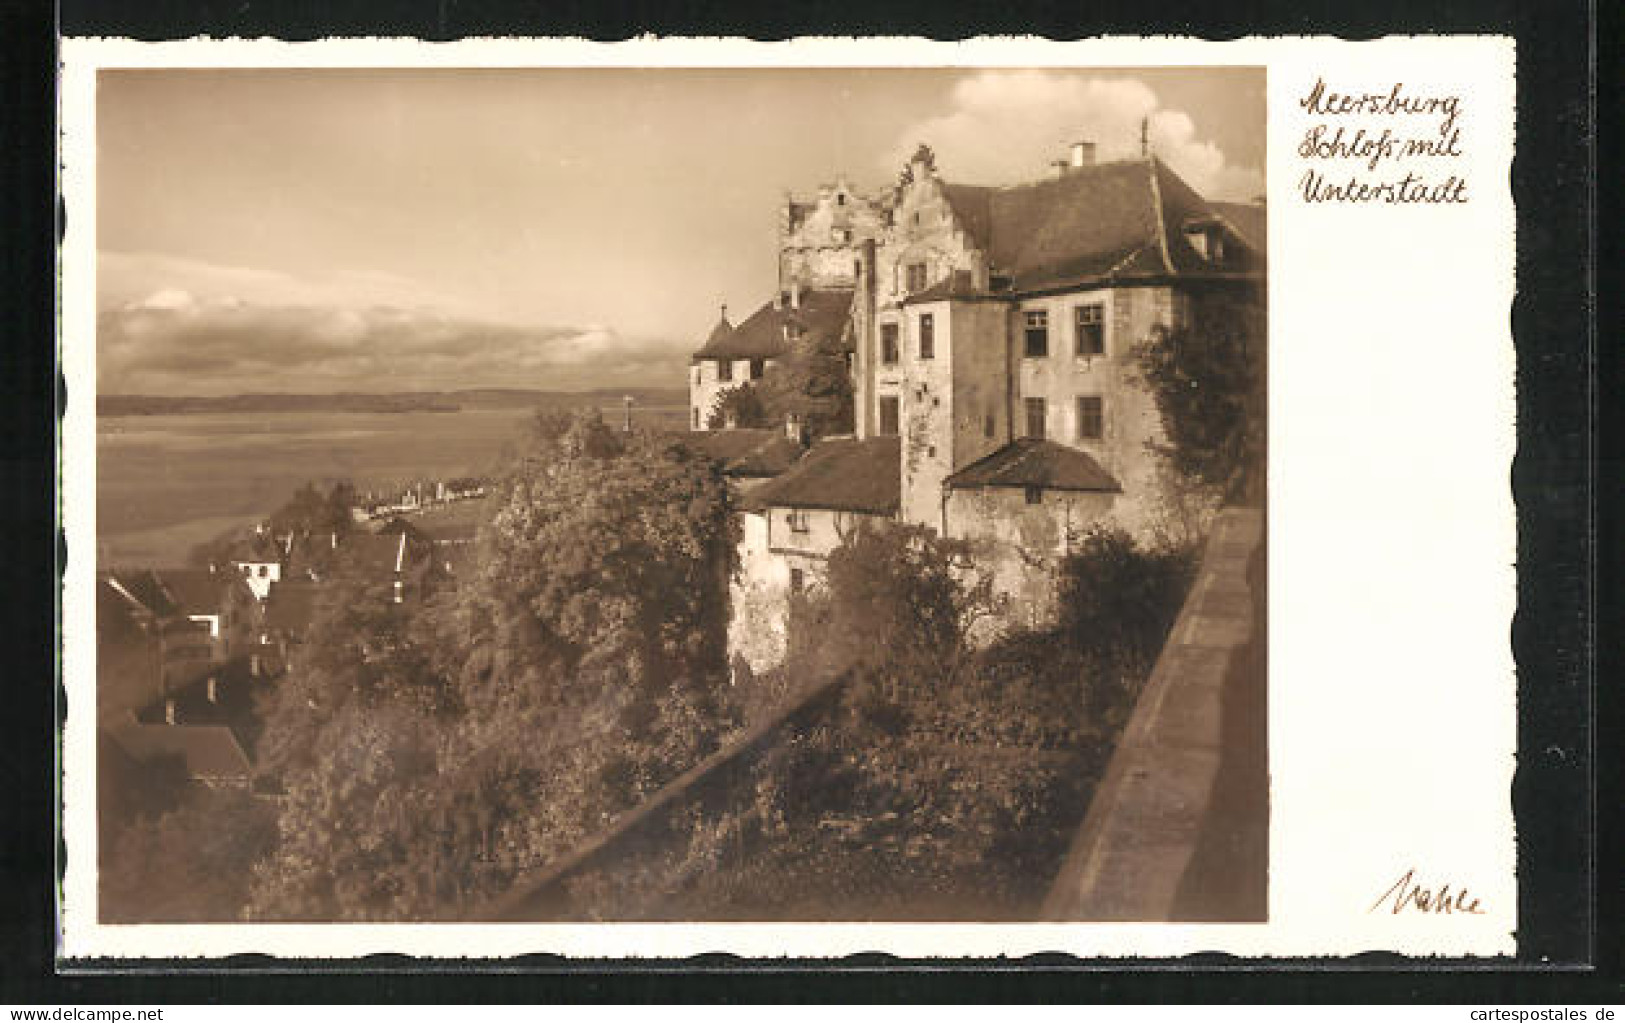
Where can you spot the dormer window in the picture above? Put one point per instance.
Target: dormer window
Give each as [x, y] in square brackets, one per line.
[915, 277]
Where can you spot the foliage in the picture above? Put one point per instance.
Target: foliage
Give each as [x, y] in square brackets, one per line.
[190, 864]
[1208, 382]
[743, 405]
[1121, 598]
[811, 381]
[432, 752]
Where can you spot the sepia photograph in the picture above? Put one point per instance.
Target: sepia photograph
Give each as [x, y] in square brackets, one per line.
[659, 494]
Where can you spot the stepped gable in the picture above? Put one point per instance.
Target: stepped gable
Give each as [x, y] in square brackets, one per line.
[1107, 221]
[1030, 462]
[821, 316]
[840, 474]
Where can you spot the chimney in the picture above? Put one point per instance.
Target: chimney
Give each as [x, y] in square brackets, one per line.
[169, 711]
[795, 294]
[254, 666]
[1083, 154]
[214, 689]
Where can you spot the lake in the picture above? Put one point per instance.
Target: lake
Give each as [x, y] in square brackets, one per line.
[166, 483]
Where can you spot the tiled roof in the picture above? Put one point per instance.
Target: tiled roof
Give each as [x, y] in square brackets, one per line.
[1110, 220]
[842, 474]
[291, 605]
[208, 751]
[820, 316]
[956, 285]
[1248, 219]
[144, 586]
[1030, 462]
[766, 459]
[198, 591]
[727, 445]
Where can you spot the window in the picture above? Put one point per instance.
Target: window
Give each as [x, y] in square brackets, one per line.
[987, 425]
[1035, 495]
[840, 198]
[857, 268]
[798, 521]
[889, 416]
[756, 368]
[916, 277]
[1090, 323]
[838, 235]
[928, 337]
[725, 369]
[265, 570]
[798, 580]
[1036, 412]
[1091, 418]
[888, 343]
[1037, 334]
[696, 419]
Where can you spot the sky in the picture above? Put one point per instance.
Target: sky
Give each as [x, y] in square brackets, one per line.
[395, 230]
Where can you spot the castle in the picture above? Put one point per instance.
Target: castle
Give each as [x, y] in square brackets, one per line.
[989, 334]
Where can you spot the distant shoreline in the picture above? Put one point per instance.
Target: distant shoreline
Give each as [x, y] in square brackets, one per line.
[113, 405]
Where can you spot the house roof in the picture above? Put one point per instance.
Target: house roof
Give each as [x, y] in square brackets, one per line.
[291, 605]
[208, 751]
[1030, 462]
[727, 445]
[820, 316]
[1248, 219]
[842, 474]
[144, 587]
[1111, 220]
[384, 553]
[197, 591]
[766, 459]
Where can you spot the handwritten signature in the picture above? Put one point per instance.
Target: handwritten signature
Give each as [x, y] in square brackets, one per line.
[1407, 894]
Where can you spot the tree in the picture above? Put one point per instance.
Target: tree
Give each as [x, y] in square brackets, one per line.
[901, 605]
[1208, 382]
[435, 753]
[193, 863]
[742, 405]
[811, 381]
[1119, 600]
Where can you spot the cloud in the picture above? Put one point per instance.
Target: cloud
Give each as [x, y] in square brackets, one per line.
[176, 340]
[1006, 127]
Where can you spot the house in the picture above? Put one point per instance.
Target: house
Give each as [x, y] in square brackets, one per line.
[208, 755]
[790, 525]
[259, 559]
[157, 631]
[736, 355]
[993, 335]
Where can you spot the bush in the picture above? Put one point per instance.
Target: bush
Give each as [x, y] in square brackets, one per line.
[1120, 600]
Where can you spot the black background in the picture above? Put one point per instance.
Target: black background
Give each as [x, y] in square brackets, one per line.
[1566, 792]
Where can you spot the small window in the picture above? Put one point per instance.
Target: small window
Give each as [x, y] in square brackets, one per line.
[757, 366]
[1037, 334]
[798, 580]
[1091, 418]
[987, 425]
[857, 268]
[838, 235]
[696, 418]
[889, 416]
[1035, 495]
[1090, 322]
[840, 198]
[1036, 414]
[888, 343]
[725, 369]
[916, 276]
[265, 570]
[928, 336]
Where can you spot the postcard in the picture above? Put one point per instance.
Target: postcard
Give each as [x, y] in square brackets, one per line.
[643, 499]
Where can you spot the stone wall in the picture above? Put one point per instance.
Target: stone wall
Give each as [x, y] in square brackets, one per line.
[1131, 419]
